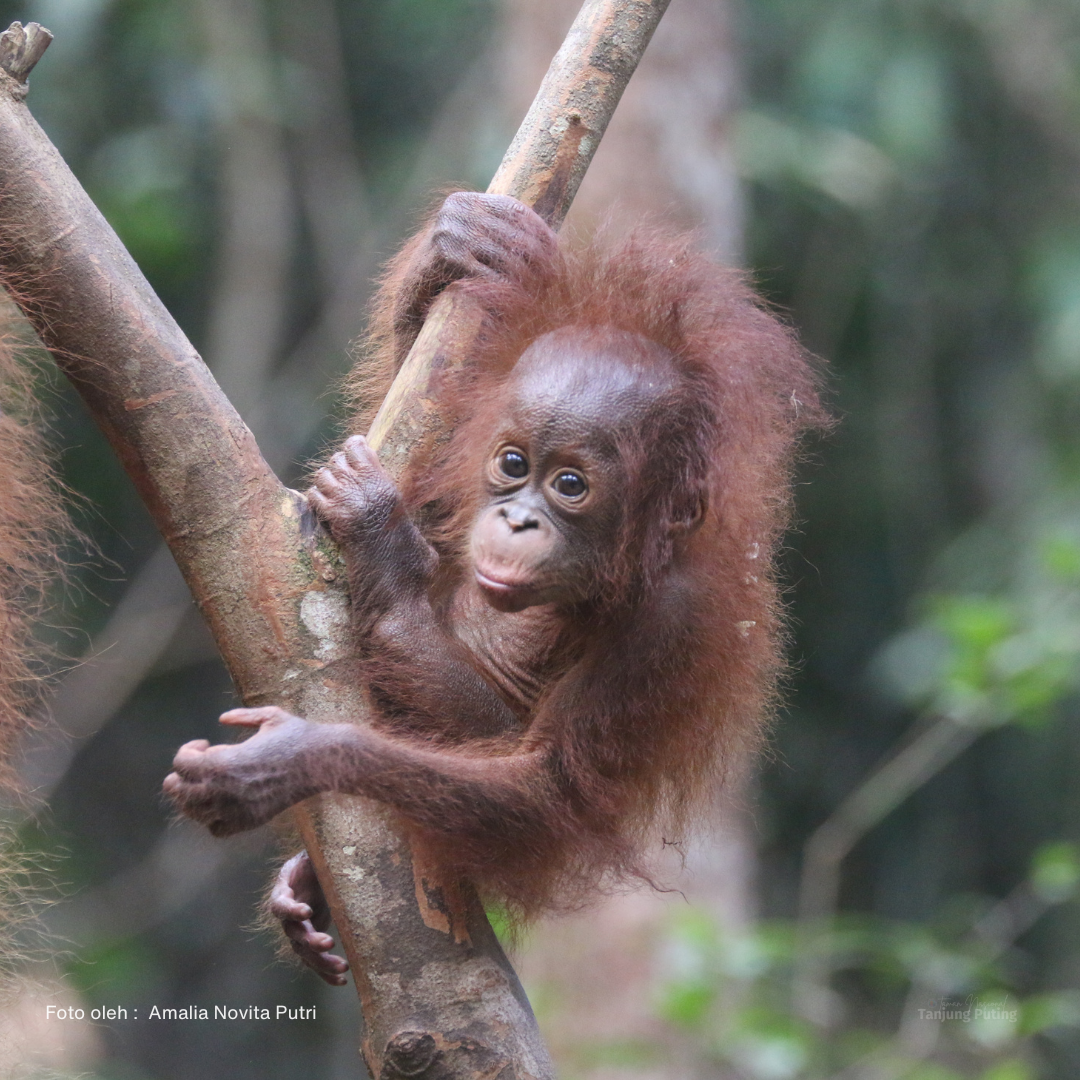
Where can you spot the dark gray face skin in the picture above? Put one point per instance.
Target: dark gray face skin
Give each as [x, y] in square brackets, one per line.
[556, 482]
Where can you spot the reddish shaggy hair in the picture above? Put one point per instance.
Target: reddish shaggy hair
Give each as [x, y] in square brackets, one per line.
[677, 676]
[32, 517]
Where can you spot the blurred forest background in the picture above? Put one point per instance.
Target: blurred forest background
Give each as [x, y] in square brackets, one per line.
[891, 894]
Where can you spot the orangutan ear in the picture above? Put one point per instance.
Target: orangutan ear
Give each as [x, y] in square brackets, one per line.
[691, 520]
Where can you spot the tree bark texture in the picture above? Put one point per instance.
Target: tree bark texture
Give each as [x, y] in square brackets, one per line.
[439, 998]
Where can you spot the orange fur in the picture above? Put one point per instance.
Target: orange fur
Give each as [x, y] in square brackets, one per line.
[661, 701]
[32, 517]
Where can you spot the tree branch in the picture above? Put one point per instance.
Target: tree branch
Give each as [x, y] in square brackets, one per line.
[22, 47]
[438, 995]
[903, 772]
[543, 167]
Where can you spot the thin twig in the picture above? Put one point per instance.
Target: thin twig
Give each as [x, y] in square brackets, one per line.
[901, 774]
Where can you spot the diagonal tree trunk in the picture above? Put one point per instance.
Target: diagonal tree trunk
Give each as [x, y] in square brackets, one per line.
[438, 995]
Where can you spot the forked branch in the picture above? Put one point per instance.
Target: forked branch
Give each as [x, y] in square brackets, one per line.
[438, 995]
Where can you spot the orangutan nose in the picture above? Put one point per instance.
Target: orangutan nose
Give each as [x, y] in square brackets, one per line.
[519, 517]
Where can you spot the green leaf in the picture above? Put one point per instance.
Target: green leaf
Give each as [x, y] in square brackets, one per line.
[1029, 694]
[1011, 1069]
[974, 623]
[1055, 871]
[694, 926]
[1060, 556]
[686, 1003]
[974, 626]
[501, 923]
[770, 1044]
[1046, 1011]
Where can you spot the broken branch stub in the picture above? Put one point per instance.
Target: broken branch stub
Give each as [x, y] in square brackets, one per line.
[22, 47]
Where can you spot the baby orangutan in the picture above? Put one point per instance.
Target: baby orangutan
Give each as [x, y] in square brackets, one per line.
[584, 630]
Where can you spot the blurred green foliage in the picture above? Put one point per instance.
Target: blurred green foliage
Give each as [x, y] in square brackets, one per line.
[938, 999]
[912, 172]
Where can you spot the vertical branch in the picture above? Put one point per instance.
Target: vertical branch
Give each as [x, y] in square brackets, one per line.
[330, 183]
[249, 299]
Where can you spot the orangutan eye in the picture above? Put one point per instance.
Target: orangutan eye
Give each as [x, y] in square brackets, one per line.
[570, 485]
[512, 463]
